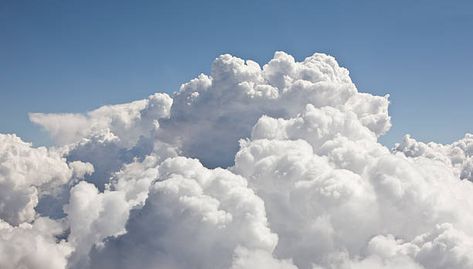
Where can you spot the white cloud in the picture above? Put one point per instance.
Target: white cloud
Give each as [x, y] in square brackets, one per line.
[321, 198]
[303, 182]
[211, 113]
[92, 217]
[33, 246]
[199, 218]
[458, 155]
[128, 122]
[26, 173]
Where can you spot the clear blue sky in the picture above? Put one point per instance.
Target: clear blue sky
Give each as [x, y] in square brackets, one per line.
[73, 56]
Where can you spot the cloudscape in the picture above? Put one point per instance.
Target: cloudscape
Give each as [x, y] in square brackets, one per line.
[271, 165]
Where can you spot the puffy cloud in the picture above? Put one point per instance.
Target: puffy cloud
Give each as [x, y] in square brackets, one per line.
[128, 122]
[33, 246]
[26, 173]
[307, 201]
[443, 247]
[93, 216]
[109, 136]
[199, 218]
[273, 166]
[458, 155]
[323, 199]
[314, 125]
[245, 258]
[211, 113]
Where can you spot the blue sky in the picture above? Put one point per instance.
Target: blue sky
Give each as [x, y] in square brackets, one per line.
[73, 56]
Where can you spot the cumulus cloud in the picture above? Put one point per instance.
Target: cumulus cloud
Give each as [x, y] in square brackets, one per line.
[273, 166]
[320, 206]
[211, 113]
[128, 122]
[458, 155]
[26, 173]
[200, 218]
[33, 245]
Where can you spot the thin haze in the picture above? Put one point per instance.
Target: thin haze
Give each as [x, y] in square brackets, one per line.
[74, 56]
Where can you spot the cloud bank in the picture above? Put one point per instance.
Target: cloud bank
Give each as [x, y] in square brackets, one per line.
[272, 167]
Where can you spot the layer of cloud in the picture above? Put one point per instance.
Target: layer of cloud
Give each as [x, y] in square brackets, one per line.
[26, 173]
[33, 245]
[128, 122]
[276, 166]
[458, 155]
[200, 218]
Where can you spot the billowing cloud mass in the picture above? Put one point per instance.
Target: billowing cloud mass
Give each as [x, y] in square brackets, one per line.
[272, 167]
